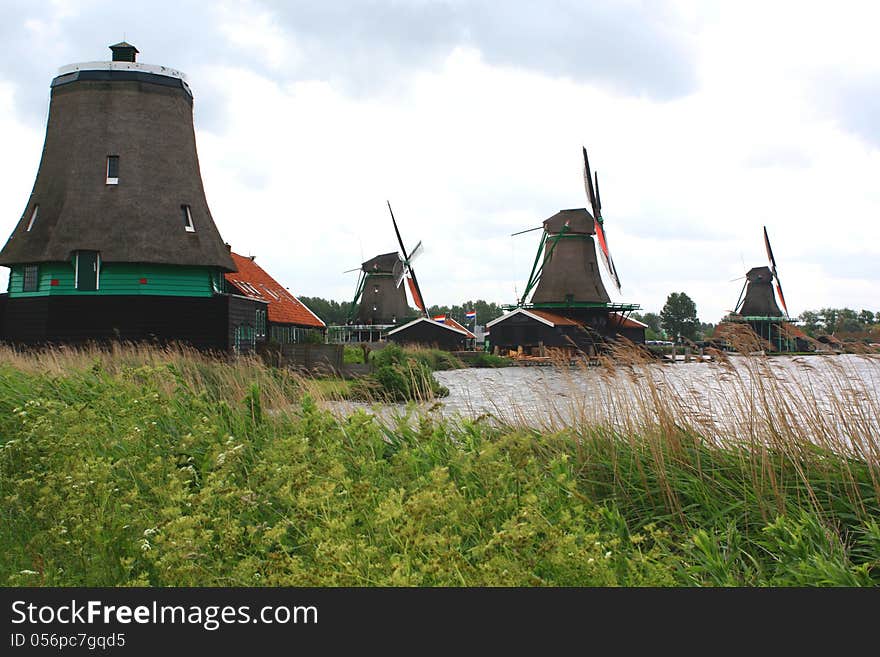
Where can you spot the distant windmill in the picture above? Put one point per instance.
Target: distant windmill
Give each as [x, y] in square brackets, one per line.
[380, 299]
[756, 298]
[757, 308]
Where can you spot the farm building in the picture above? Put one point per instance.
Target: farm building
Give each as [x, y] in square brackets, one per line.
[446, 334]
[285, 319]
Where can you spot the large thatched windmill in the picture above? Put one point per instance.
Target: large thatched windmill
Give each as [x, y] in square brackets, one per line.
[116, 239]
[569, 305]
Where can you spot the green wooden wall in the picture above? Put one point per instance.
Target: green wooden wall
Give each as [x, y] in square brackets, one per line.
[122, 278]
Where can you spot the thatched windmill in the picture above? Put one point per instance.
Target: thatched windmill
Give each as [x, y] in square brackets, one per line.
[380, 299]
[116, 239]
[569, 305]
[757, 308]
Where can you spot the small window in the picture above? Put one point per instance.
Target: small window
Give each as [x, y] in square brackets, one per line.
[187, 219]
[33, 217]
[31, 282]
[261, 323]
[112, 169]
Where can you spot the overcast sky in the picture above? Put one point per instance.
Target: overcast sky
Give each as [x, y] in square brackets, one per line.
[706, 121]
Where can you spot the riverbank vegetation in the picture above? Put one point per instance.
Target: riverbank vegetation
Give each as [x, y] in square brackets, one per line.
[138, 466]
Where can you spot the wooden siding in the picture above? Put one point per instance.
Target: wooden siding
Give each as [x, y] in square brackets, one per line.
[203, 322]
[118, 278]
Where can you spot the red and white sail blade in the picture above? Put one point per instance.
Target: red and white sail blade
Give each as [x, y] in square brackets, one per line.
[595, 205]
[773, 269]
[606, 255]
[414, 292]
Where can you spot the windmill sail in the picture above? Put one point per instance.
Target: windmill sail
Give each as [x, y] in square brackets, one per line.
[596, 206]
[417, 298]
[775, 273]
[411, 279]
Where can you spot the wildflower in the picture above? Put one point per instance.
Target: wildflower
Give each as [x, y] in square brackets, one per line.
[145, 546]
[28, 572]
[608, 554]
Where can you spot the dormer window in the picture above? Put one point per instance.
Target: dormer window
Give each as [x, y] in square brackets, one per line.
[112, 169]
[33, 217]
[187, 219]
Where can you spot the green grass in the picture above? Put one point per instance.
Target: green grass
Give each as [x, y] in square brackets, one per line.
[167, 468]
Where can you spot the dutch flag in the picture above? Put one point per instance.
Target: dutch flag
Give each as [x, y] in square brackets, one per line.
[471, 314]
[440, 318]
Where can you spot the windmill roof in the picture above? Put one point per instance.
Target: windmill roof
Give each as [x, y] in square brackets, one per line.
[383, 263]
[758, 274]
[579, 220]
[252, 281]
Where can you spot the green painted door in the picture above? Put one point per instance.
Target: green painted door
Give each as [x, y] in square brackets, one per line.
[87, 265]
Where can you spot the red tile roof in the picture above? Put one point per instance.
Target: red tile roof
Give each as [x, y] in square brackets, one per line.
[253, 282]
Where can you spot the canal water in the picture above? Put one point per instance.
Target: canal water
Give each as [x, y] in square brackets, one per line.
[835, 397]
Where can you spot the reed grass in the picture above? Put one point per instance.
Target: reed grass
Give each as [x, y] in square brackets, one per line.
[166, 466]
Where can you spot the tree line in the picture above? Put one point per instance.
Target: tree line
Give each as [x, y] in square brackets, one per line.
[831, 321]
[336, 312]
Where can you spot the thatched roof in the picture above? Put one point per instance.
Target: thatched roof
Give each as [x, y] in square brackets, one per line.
[571, 271]
[148, 124]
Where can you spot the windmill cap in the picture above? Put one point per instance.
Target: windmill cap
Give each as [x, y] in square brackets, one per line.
[759, 275]
[382, 263]
[579, 220]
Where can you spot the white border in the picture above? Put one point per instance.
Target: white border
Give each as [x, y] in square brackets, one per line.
[123, 66]
[516, 312]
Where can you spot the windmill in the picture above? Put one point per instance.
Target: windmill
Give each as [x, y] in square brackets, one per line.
[569, 305]
[756, 298]
[380, 299]
[757, 307]
[566, 266]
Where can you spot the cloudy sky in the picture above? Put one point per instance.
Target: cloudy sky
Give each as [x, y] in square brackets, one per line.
[705, 120]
